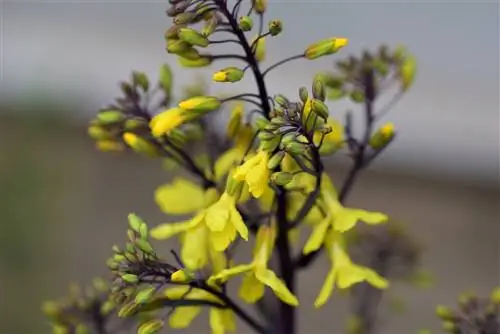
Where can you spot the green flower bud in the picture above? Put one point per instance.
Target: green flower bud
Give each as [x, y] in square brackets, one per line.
[448, 326]
[81, 329]
[335, 94]
[303, 94]
[325, 47]
[140, 145]
[203, 61]
[144, 295]
[495, 296]
[407, 72]
[165, 80]
[295, 148]
[275, 160]
[193, 37]
[109, 146]
[318, 89]
[201, 104]
[96, 132]
[270, 145]
[288, 138]
[259, 6]
[135, 123]
[111, 264]
[110, 116]
[130, 278]
[140, 79]
[228, 74]
[190, 54]
[107, 307]
[234, 123]
[319, 108]
[245, 23]
[261, 122]
[260, 48]
[282, 101]
[382, 137]
[143, 232]
[444, 312]
[127, 310]
[275, 27]
[144, 246]
[264, 135]
[282, 178]
[51, 309]
[151, 327]
[357, 96]
[177, 46]
[210, 26]
[172, 32]
[184, 18]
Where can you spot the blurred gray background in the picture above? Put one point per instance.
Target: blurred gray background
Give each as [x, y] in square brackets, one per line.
[63, 204]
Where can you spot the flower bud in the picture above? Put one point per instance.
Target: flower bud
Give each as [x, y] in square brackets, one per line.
[261, 122]
[444, 312]
[144, 246]
[319, 108]
[144, 295]
[184, 18]
[210, 26]
[165, 79]
[275, 27]
[140, 145]
[98, 133]
[357, 96]
[281, 100]
[382, 137]
[134, 123]
[130, 278]
[127, 310]
[228, 74]
[245, 23]
[180, 276]
[140, 79]
[270, 145]
[176, 46]
[151, 327]
[135, 222]
[264, 135]
[193, 37]
[110, 116]
[200, 104]
[203, 61]
[260, 48]
[495, 296]
[449, 326]
[318, 89]
[190, 54]
[172, 32]
[109, 146]
[295, 148]
[303, 94]
[325, 47]
[275, 160]
[259, 6]
[407, 72]
[281, 178]
[234, 122]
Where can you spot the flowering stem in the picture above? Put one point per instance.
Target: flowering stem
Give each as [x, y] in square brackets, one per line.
[281, 62]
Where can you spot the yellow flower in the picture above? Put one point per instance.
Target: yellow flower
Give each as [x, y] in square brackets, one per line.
[167, 120]
[344, 273]
[255, 172]
[243, 140]
[221, 320]
[171, 198]
[200, 104]
[333, 140]
[224, 221]
[256, 274]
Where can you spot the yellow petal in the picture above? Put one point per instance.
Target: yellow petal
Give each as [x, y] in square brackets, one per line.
[168, 230]
[371, 218]
[350, 275]
[238, 223]
[270, 279]
[221, 240]
[218, 260]
[317, 236]
[217, 216]
[171, 198]
[182, 317]
[251, 289]
[326, 289]
[344, 220]
[194, 251]
[228, 320]
[216, 321]
[375, 279]
[227, 274]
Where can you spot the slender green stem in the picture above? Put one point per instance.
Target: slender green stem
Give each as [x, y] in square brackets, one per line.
[281, 62]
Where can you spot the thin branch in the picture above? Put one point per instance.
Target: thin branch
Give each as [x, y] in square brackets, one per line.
[224, 41]
[281, 62]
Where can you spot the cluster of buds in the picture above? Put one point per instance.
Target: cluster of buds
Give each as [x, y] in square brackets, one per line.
[473, 315]
[84, 311]
[139, 277]
[378, 70]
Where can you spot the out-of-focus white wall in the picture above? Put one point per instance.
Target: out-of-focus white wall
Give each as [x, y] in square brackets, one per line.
[448, 124]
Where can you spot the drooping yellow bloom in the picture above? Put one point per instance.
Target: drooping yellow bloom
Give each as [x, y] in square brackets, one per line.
[256, 274]
[221, 320]
[255, 173]
[167, 120]
[344, 273]
[224, 221]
